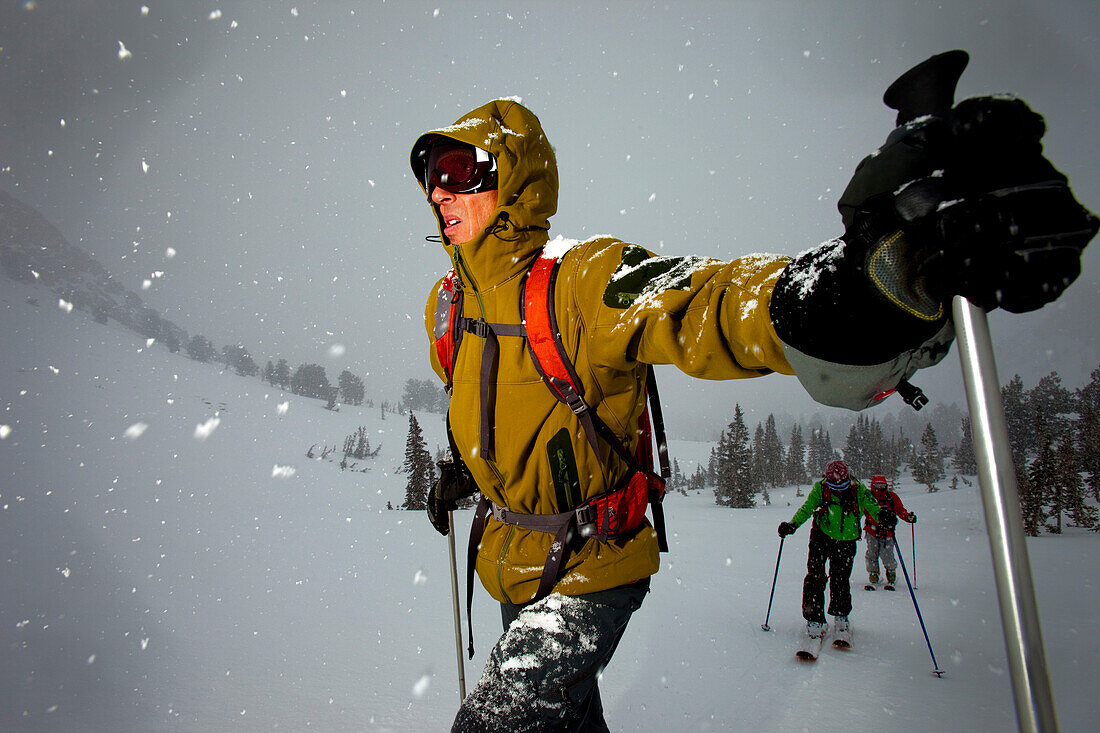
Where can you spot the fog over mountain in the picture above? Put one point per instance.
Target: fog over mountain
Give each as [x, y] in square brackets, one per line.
[244, 168]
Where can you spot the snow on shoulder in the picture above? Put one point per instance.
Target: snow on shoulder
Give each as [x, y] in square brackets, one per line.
[557, 247]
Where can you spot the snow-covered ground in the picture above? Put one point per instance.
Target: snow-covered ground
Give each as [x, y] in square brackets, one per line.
[170, 560]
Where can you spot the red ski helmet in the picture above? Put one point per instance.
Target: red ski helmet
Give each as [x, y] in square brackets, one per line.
[836, 475]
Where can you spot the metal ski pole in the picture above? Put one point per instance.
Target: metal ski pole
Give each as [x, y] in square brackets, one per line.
[1001, 500]
[929, 89]
[936, 667]
[455, 603]
[774, 578]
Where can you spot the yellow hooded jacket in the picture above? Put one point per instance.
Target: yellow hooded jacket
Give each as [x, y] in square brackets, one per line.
[619, 308]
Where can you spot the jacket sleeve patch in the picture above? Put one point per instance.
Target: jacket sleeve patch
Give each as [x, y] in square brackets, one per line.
[642, 275]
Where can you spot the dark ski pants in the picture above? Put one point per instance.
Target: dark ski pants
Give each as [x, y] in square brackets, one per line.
[541, 675]
[840, 555]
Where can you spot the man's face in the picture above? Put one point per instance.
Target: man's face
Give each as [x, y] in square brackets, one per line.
[464, 214]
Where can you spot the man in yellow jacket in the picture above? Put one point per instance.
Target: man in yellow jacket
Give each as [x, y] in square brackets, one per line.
[492, 182]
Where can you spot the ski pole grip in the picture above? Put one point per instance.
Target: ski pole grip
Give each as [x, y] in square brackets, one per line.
[928, 88]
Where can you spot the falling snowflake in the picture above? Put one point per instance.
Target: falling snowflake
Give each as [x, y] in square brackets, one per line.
[134, 431]
[202, 432]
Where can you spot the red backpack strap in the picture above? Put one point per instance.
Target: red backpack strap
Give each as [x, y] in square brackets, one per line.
[544, 342]
[448, 311]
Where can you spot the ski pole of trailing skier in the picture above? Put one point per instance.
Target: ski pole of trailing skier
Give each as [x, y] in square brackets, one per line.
[901, 561]
[457, 612]
[774, 578]
[913, 537]
[1001, 500]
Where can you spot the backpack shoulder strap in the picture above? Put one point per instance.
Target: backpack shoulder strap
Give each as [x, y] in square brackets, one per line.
[448, 312]
[544, 342]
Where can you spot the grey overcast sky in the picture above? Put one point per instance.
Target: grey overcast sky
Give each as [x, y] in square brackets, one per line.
[266, 144]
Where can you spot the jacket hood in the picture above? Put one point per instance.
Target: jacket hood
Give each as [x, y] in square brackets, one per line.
[527, 188]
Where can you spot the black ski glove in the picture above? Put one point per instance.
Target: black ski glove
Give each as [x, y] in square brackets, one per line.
[455, 483]
[959, 200]
[963, 204]
[786, 528]
[887, 518]
[912, 518]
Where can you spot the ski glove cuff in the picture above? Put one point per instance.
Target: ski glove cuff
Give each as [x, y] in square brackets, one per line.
[455, 483]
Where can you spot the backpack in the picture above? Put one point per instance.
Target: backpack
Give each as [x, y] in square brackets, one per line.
[606, 517]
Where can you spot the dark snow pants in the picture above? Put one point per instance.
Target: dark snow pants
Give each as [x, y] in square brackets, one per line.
[541, 675]
[840, 555]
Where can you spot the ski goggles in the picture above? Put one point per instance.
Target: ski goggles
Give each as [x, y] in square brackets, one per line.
[459, 168]
[839, 485]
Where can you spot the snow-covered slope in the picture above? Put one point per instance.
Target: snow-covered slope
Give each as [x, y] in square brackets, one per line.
[171, 560]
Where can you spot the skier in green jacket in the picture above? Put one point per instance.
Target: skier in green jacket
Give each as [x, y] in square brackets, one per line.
[836, 502]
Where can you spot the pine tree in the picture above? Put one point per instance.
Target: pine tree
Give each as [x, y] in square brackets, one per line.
[854, 448]
[1073, 489]
[310, 380]
[418, 466]
[877, 451]
[351, 388]
[1018, 424]
[676, 481]
[795, 471]
[928, 462]
[965, 461]
[733, 462]
[818, 454]
[756, 463]
[1088, 432]
[200, 349]
[282, 374]
[773, 468]
[1034, 490]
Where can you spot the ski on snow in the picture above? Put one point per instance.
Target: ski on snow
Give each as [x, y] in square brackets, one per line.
[812, 645]
[842, 639]
[871, 586]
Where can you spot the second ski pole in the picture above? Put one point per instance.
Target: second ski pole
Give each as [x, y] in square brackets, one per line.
[455, 603]
[913, 537]
[774, 578]
[901, 561]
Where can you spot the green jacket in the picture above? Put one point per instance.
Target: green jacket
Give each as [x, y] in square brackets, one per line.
[838, 520]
